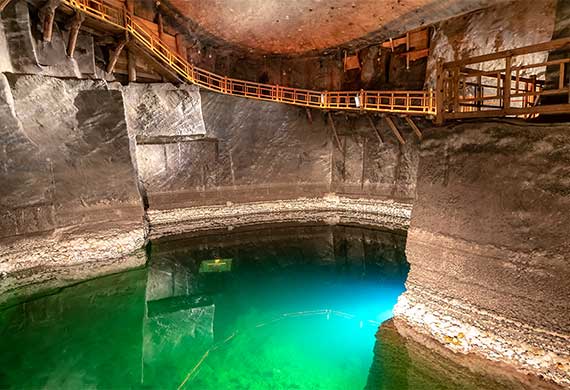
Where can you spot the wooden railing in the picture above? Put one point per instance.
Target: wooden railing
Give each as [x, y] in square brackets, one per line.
[501, 84]
[403, 102]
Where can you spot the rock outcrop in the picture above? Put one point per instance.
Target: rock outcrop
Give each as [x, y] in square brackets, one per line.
[69, 195]
[488, 244]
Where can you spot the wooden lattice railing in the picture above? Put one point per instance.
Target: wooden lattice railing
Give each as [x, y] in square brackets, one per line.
[403, 102]
[507, 83]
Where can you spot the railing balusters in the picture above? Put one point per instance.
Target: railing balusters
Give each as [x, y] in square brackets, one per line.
[369, 100]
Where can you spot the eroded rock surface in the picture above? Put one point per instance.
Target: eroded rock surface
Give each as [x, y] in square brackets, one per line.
[488, 244]
[67, 179]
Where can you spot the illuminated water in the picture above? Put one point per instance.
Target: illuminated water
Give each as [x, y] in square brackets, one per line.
[294, 308]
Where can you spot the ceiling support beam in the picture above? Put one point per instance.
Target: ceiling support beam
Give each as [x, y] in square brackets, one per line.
[309, 115]
[414, 127]
[3, 4]
[115, 55]
[394, 129]
[47, 17]
[335, 134]
[75, 25]
[376, 131]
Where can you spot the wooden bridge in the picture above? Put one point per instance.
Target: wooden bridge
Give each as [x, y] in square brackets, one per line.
[491, 85]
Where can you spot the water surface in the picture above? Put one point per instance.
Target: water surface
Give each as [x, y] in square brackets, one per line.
[271, 308]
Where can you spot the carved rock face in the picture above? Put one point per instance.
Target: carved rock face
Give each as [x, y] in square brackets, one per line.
[299, 26]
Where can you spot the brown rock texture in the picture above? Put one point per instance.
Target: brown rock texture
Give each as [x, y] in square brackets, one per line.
[299, 26]
[501, 27]
[488, 244]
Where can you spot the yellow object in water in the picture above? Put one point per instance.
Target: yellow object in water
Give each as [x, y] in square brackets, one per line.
[216, 265]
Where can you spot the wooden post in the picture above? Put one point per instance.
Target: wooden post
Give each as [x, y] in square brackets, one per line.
[181, 46]
[76, 22]
[160, 25]
[479, 93]
[414, 127]
[439, 95]
[376, 131]
[3, 4]
[47, 17]
[335, 135]
[132, 66]
[309, 115]
[507, 86]
[130, 4]
[115, 55]
[394, 129]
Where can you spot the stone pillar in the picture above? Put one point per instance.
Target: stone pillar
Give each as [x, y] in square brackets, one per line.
[488, 244]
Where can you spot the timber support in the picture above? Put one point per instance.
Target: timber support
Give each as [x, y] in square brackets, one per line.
[394, 129]
[3, 4]
[47, 17]
[115, 55]
[75, 26]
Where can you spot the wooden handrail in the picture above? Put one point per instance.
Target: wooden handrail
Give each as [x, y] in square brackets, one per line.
[404, 102]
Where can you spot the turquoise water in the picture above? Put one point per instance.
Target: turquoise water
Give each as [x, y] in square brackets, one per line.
[289, 308]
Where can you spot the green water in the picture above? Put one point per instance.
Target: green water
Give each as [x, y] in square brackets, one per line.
[292, 308]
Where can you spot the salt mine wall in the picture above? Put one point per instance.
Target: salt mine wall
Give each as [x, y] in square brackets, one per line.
[69, 203]
[90, 169]
[256, 150]
[501, 27]
[488, 244]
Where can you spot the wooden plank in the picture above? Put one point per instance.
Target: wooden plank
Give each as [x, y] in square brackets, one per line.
[546, 110]
[545, 46]
[3, 4]
[115, 55]
[507, 84]
[394, 129]
[376, 131]
[414, 127]
[415, 55]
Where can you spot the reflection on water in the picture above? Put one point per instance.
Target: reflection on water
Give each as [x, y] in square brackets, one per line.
[286, 308]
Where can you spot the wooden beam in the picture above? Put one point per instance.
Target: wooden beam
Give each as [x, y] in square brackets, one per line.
[414, 127]
[376, 131]
[47, 17]
[394, 129]
[115, 55]
[335, 135]
[309, 115]
[160, 24]
[545, 46]
[132, 66]
[130, 4]
[181, 46]
[75, 25]
[3, 4]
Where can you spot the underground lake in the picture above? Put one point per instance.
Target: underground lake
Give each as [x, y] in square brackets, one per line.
[305, 307]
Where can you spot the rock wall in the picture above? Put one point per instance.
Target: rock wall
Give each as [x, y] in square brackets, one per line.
[501, 27]
[23, 50]
[259, 151]
[254, 151]
[68, 195]
[488, 244]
